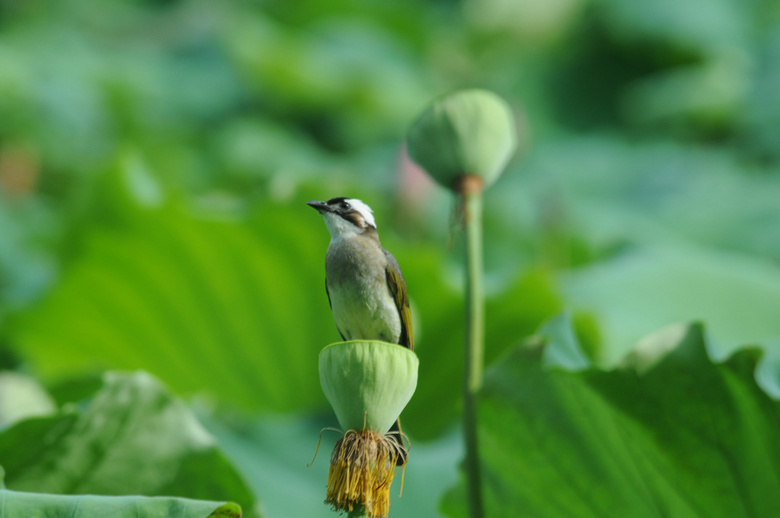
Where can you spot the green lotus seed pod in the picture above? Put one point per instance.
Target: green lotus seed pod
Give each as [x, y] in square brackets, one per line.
[467, 133]
[368, 382]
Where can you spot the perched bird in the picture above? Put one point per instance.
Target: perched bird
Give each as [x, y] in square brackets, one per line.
[365, 288]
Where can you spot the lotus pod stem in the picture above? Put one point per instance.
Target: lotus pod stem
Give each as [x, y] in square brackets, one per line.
[464, 140]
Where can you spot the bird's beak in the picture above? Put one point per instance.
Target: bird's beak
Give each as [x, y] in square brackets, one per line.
[320, 206]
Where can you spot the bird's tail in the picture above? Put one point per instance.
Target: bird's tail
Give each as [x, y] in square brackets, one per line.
[398, 435]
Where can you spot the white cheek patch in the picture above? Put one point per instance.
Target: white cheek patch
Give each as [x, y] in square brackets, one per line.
[364, 210]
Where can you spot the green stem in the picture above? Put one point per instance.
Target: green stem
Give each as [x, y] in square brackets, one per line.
[357, 512]
[475, 337]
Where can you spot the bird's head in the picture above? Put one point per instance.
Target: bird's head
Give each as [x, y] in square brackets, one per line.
[345, 216]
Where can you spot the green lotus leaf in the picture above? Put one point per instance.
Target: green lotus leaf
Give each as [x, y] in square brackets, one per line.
[469, 132]
[38, 505]
[368, 383]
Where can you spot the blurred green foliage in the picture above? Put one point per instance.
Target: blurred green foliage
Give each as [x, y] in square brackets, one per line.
[155, 157]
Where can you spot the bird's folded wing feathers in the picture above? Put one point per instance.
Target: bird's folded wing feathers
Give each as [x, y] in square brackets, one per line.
[398, 288]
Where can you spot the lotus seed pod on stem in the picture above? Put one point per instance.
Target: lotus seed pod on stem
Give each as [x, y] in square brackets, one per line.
[368, 384]
[464, 140]
[469, 133]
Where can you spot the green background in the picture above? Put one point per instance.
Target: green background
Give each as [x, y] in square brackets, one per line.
[155, 161]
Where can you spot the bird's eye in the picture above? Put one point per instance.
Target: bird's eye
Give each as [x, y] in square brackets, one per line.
[345, 206]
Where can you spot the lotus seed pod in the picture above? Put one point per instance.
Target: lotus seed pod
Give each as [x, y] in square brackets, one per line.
[467, 133]
[368, 383]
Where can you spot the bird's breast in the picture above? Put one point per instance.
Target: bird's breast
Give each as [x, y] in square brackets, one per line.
[362, 304]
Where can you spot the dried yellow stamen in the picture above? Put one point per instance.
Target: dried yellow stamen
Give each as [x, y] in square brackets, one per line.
[362, 467]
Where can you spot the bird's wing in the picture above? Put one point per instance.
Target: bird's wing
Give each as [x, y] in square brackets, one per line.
[330, 304]
[395, 282]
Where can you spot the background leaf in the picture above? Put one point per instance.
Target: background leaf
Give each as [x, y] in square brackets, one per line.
[193, 301]
[644, 289]
[21, 397]
[35, 505]
[669, 433]
[133, 438]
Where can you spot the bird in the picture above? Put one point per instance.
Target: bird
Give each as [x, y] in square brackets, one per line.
[365, 287]
[363, 281]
